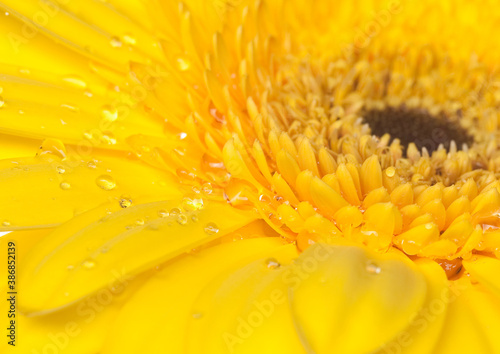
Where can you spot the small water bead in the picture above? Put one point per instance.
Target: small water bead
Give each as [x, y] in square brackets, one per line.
[139, 222]
[390, 172]
[189, 204]
[163, 213]
[125, 202]
[2, 102]
[197, 315]
[194, 218]
[108, 138]
[65, 186]
[6, 223]
[211, 228]
[272, 263]
[109, 113]
[71, 108]
[183, 64]
[372, 268]
[116, 42]
[60, 169]
[88, 264]
[207, 188]
[106, 182]
[182, 219]
[175, 211]
[129, 39]
[75, 82]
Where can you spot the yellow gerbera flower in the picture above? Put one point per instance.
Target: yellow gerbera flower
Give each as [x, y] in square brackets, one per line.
[234, 176]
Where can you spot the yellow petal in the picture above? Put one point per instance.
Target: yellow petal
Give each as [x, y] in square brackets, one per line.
[486, 270]
[169, 311]
[96, 245]
[45, 191]
[345, 293]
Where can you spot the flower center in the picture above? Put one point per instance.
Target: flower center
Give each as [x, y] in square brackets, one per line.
[417, 126]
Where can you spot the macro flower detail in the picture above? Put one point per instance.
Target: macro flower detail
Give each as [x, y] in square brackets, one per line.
[236, 176]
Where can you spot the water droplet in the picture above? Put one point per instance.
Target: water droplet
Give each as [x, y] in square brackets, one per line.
[372, 268]
[92, 164]
[183, 64]
[6, 223]
[65, 186]
[108, 138]
[60, 169]
[272, 263]
[125, 202]
[109, 113]
[207, 188]
[139, 222]
[75, 82]
[189, 204]
[194, 218]
[390, 172]
[162, 213]
[106, 182]
[182, 219]
[129, 39]
[88, 264]
[197, 315]
[211, 228]
[116, 42]
[175, 211]
[2, 102]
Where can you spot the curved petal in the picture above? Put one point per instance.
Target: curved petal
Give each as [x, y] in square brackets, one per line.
[85, 254]
[486, 270]
[41, 192]
[169, 310]
[469, 328]
[344, 293]
[245, 309]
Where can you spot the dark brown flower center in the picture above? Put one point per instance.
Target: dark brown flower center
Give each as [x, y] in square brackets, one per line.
[417, 126]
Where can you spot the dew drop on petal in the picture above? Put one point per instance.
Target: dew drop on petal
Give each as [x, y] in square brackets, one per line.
[2, 102]
[75, 82]
[108, 138]
[6, 223]
[207, 188]
[272, 263]
[182, 219]
[162, 213]
[197, 315]
[183, 64]
[125, 202]
[88, 264]
[194, 218]
[65, 186]
[129, 39]
[211, 228]
[109, 113]
[390, 172]
[175, 211]
[60, 169]
[116, 42]
[106, 182]
[372, 268]
[189, 204]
